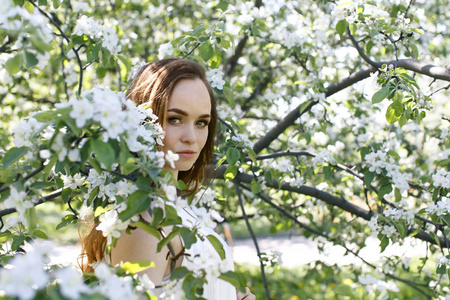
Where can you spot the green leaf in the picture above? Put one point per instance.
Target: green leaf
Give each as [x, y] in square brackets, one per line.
[104, 152]
[133, 267]
[394, 112]
[230, 173]
[147, 228]
[223, 5]
[436, 238]
[40, 234]
[13, 64]
[353, 28]
[217, 245]
[341, 26]
[216, 60]
[401, 229]
[31, 217]
[268, 176]
[39, 44]
[220, 162]
[45, 116]
[384, 242]
[166, 240]
[56, 3]
[197, 30]
[65, 195]
[344, 290]
[69, 219]
[441, 270]
[179, 273]
[137, 202]
[327, 172]
[17, 242]
[206, 51]
[42, 2]
[232, 278]
[188, 236]
[446, 219]
[39, 185]
[30, 59]
[368, 178]
[229, 95]
[364, 151]
[256, 187]
[380, 95]
[233, 155]
[384, 189]
[13, 155]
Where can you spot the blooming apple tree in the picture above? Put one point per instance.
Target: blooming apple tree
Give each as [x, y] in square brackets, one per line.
[334, 120]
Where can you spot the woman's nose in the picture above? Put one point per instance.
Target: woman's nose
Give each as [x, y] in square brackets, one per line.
[188, 134]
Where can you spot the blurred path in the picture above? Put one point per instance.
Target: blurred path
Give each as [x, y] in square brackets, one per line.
[296, 251]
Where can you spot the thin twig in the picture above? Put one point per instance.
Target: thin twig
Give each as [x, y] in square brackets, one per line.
[255, 241]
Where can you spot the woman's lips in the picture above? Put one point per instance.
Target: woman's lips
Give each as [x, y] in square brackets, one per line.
[186, 154]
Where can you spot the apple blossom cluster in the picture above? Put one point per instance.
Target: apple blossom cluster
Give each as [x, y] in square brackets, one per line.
[18, 200]
[285, 165]
[442, 261]
[242, 140]
[247, 13]
[118, 117]
[398, 214]
[324, 156]
[26, 274]
[19, 21]
[440, 208]
[25, 132]
[165, 50]
[106, 35]
[374, 284]
[297, 181]
[379, 161]
[272, 258]
[205, 197]
[215, 77]
[441, 179]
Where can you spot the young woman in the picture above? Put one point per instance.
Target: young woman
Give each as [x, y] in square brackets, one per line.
[183, 100]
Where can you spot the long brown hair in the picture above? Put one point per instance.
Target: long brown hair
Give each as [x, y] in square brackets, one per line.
[154, 84]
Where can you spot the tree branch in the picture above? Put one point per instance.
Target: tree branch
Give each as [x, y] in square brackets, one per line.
[341, 243]
[327, 198]
[255, 241]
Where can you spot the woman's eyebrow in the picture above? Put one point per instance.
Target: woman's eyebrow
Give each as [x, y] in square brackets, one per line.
[183, 113]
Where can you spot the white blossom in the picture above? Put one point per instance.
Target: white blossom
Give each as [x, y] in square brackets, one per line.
[24, 276]
[215, 77]
[205, 197]
[113, 286]
[110, 225]
[74, 155]
[45, 154]
[71, 283]
[72, 182]
[165, 50]
[82, 110]
[441, 179]
[171, 158]
[17, 199]
[285, 165]
[242, 140]
[388, 230]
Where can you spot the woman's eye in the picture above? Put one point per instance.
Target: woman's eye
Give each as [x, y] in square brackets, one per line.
[202, 123]
[174, 120]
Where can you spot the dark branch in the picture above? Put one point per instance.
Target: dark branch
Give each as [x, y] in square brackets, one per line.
[327, 198]
[255, 241]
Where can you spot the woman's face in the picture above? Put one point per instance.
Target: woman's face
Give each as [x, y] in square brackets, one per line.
[188, 116]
